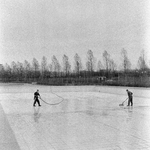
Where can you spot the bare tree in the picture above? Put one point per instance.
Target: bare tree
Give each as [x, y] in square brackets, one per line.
[44, 66]
[20, 70]
[142, 62]
[106, 58]
[90, 64]
[50, 67]
[126, 62]
[99, 66]
[8, 71]
[35, 65]
[77, 63]
[27, 69]
[2, 71]
[112, 65]
[55, 65]
[66, 65]
[14, 68]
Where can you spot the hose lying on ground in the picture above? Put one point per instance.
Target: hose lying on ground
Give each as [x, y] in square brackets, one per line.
[54, 103]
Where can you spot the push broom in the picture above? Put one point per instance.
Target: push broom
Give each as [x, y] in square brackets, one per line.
[122, 103]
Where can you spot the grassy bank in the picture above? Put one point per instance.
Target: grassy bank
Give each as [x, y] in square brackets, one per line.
[143, 81]
[122, 81]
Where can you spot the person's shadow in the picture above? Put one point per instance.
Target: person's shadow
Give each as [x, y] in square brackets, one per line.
[36, 114]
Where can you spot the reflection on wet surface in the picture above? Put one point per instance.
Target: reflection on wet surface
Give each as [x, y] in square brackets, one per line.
[86, 120]
[37, 114]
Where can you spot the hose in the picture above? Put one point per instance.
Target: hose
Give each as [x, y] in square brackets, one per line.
[53, 103]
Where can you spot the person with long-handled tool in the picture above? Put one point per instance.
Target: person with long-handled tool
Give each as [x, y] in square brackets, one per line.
[36, 98]
[130, 97]
[123, 103]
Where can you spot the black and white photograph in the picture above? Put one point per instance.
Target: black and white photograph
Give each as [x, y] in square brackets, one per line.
[74, 74]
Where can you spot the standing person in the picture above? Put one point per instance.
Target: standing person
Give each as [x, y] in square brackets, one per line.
[36, 98]
[130, 97]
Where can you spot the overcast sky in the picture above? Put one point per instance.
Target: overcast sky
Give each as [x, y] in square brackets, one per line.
[37, 28]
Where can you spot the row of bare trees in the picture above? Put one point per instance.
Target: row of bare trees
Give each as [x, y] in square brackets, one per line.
[25, 70]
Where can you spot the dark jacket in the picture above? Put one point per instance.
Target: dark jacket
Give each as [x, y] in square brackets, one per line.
[129, 94]
[36, 94]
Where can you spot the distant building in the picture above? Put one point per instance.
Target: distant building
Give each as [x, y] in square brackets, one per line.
[101, 78]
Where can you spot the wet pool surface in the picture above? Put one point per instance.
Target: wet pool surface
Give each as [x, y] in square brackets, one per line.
[88, 118]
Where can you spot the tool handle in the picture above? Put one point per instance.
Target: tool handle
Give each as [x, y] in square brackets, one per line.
[124, 101]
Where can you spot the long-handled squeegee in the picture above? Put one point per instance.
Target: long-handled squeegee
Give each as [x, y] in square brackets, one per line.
[122, 103]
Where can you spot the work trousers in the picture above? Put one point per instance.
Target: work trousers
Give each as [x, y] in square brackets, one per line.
[36, 100]
[130, 100]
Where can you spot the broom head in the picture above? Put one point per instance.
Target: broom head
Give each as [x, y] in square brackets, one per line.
[121, 104]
